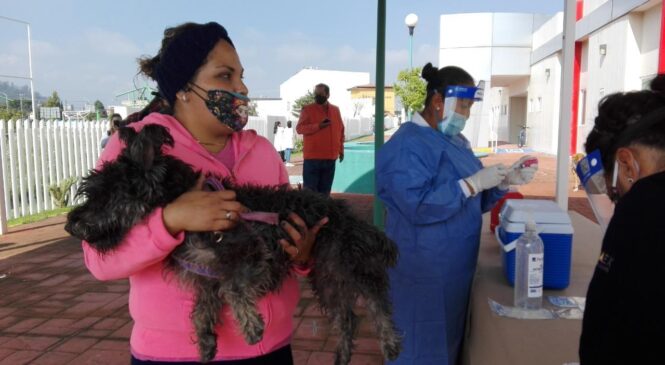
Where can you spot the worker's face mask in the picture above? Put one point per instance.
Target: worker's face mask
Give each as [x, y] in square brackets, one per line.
[230, 108]
[453, 125]
[592, 176]
[458, 100]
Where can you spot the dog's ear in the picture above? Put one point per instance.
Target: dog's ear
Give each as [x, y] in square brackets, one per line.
[147, 144]
[157, 135]
[127, 135]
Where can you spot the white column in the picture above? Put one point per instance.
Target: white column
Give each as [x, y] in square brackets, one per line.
[3, 192]
[566, 104]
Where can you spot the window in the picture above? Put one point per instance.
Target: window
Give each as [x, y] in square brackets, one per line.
[530, 106]
[581, 108]
[539, 104]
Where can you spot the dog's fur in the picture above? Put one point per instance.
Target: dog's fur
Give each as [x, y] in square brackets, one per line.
[350, 256]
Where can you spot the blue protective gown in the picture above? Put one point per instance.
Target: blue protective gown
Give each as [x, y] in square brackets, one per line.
[437, 230]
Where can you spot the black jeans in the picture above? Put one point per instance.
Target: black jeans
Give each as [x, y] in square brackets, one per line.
[318, 175]
[281, 356]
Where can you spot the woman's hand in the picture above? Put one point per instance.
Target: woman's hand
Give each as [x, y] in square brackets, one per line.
[302, 238]
[202, 211]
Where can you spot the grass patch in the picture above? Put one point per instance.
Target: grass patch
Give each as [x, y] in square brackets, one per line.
[37, 217]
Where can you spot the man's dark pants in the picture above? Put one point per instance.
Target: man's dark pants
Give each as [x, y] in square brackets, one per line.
[318, 175]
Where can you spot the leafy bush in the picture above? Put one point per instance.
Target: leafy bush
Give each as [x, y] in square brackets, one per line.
[60, 192]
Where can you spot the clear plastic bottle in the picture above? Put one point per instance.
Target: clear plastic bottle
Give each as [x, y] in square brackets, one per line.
[529, 266]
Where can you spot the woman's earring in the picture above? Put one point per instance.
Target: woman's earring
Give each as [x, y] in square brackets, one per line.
[631, 180]
[184, 98]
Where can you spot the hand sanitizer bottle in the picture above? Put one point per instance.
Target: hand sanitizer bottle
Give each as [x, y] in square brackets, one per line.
[529, 269]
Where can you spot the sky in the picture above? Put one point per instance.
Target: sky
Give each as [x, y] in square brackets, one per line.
[86, 50]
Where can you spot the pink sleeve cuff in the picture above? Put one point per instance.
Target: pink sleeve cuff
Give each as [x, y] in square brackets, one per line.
[303, 269]
[161, 236]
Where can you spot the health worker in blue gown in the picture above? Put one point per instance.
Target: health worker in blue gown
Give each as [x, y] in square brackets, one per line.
[435, 191]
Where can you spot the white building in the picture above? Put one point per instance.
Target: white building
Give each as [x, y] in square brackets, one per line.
[618, 49]
[269, 106]
[496, 50]
[339, 82]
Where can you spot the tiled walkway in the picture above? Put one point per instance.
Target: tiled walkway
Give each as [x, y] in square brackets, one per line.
[52, 311]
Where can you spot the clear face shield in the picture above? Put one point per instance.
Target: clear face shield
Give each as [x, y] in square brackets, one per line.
[592, 176]
[457, 104]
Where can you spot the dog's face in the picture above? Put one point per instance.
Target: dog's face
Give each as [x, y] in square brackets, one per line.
[124, 191]
[144, 146]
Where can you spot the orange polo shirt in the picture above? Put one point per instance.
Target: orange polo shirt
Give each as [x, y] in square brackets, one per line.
[321, 144]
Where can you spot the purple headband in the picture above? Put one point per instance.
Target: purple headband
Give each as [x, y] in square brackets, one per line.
[185, 54]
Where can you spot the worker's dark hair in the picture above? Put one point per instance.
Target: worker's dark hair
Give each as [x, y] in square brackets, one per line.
[439, 80]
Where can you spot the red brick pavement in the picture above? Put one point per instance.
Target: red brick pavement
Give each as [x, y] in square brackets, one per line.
[52, 311]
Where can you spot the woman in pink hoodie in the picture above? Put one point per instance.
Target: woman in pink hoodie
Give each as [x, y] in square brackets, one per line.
[199, 75]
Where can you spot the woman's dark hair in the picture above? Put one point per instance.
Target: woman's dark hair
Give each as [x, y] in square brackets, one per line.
[148, 65]
[636, 117]
[439, 80]
[277, 124]
[185, 48]
[289, 123]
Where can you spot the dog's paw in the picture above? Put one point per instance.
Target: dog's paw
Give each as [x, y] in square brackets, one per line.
[254, 331]
[208, 349]
[391, 349]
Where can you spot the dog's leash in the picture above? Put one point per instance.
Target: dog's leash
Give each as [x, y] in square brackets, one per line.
[197, 269]
[214, 184]
[263, 217]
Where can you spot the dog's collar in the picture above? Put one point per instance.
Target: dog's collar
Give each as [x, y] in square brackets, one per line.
[214, 184]
[197, 269]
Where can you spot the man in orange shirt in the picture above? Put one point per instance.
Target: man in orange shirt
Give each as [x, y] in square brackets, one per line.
[323, 140]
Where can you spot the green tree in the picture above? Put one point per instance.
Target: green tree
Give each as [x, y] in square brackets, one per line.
[99, 108]
[300, 102]
[9, 114]
[411, 89]
[53, 101]
[252, 109]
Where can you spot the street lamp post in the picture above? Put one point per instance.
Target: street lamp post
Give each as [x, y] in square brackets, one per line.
[6, 100]
[32, 86]
[411, 20]
[20, 98]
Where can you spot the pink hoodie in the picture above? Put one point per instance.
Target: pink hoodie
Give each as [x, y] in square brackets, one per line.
[160, 308]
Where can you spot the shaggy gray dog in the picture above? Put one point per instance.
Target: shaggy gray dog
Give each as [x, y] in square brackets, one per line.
[351, 257]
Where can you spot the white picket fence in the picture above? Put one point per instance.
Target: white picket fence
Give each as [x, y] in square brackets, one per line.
[37, 154]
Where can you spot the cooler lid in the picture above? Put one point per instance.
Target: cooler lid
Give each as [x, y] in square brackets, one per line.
[542, 211]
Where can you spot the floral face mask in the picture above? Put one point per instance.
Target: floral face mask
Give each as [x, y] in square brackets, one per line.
[230, 108]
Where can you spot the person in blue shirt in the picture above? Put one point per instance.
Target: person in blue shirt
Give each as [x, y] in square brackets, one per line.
[435, 191]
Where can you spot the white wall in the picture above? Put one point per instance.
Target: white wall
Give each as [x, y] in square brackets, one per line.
[265, 107]
[650, 42]
[591, 5]
[548, 30]
[338, 81]
[124, 110]
[499, 45]
[543, 105]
